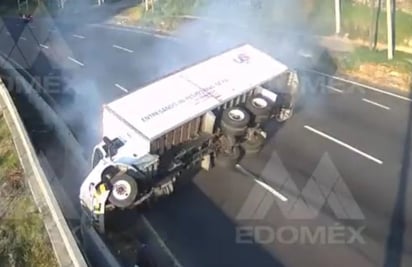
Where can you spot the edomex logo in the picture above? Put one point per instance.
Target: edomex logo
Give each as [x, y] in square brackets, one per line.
[325, 187]
[26, 43]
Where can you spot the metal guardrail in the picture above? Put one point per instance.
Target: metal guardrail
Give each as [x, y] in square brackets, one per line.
[64, 245]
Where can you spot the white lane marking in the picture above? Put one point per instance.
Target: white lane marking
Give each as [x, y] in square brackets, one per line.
[136, 30]
[259, 181]
[78, 36]
[75, 61]
[176, 262]
[121, 88]
[271, 190]
[122, 48]
[44, 46]
[375, 103]
[343, 144]
[334, 89]
[23, 38]
[364, 86]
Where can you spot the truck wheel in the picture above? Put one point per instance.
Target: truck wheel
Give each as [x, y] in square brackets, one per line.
[259, 106]
[253, 145]
[228, 160]
[124, 191]
[235, 121]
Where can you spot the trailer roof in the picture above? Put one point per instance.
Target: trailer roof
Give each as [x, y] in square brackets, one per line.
[174, 100]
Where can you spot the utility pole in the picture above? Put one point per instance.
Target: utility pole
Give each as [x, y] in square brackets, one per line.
[337, 16]
[389, 23]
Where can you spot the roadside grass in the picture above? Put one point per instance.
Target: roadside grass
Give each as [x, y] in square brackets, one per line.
[362, 55]
[165, 13]
[356, 21]
[315, 16]
[23, 238]
[133, 14]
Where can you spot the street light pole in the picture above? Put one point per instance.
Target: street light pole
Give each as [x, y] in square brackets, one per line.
[337, 16]
[389, 23]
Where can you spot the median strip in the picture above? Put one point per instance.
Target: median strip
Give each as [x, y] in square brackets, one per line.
[376, 160]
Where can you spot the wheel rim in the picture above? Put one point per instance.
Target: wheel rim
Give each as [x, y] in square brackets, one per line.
[259, 102]
[236, 115]
[121, 190]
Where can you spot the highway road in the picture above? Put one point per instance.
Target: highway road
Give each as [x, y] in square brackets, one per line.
[353, 139]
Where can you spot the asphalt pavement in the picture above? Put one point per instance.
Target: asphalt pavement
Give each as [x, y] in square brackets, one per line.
[347, 131]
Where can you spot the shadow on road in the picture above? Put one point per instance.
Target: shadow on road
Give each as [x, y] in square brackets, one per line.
[195, 229]
[397, 232]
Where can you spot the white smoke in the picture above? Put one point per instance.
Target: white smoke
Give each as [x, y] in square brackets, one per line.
[224, 24]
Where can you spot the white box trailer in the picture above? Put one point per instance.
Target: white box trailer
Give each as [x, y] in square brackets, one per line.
[207, 111]
[163, 106]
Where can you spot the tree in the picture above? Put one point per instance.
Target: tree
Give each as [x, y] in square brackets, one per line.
[376, 6]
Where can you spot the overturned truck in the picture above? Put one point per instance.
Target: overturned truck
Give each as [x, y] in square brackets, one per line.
[208, 114]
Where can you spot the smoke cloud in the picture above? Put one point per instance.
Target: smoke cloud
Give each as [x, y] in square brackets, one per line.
[276, 27]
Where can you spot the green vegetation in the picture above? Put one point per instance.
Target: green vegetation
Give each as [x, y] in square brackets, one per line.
[166, 13]
[134, 14]
[23, 238]
[318, 15]
[356, 21]
[363, 55]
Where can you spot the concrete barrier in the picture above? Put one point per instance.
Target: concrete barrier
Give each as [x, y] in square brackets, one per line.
[65, 247]
[92, 243]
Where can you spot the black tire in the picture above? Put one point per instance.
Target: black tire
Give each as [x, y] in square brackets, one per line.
[254, 145]
[235, 121]
[118, 196]
[232, 131]
[259, 105]
[228, 160]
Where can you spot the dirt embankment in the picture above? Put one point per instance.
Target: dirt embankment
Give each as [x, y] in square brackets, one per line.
[379, 75]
